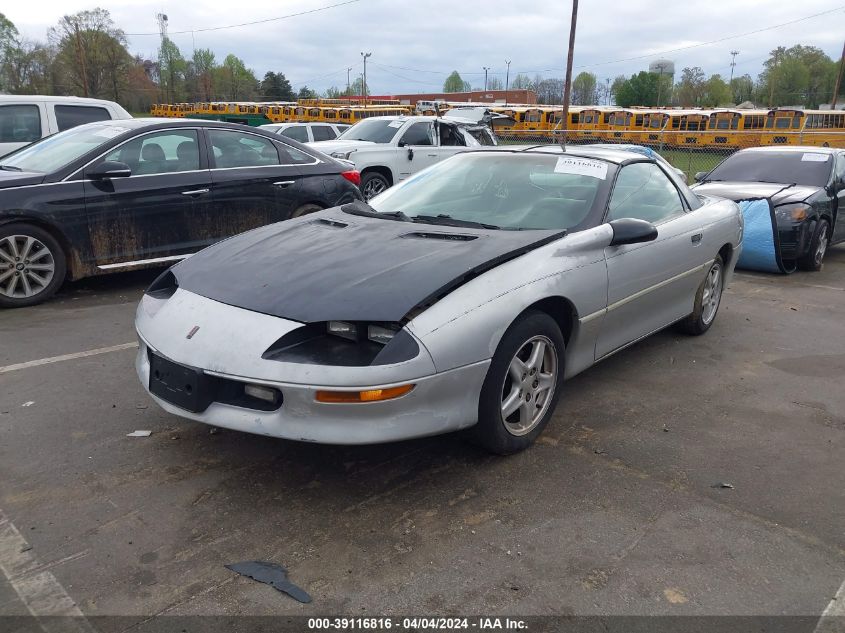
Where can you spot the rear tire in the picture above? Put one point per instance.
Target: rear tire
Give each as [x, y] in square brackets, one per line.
[522, 386]
[32, 265]
[708, 298]
[814, 259]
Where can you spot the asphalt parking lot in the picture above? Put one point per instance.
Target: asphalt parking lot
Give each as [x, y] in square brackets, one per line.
[618, 508]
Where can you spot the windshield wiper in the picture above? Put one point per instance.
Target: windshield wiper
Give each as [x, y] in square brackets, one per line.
[362, 208]
[448, 220]
[10, 168]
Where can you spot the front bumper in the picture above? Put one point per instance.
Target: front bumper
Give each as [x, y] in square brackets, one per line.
[228, 343]
[795, 239]
[439, 403]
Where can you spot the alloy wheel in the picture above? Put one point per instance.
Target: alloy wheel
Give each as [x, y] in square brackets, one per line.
[712, 294]
[529, 385]
[26, 266]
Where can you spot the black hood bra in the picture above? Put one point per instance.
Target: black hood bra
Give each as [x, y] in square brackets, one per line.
[333, 265]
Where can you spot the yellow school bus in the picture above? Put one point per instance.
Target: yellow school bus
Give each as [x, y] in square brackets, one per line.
[783, 127]
[684, 127]
[594, 122]
[823, 128]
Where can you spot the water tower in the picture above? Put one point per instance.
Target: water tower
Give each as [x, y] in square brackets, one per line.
[662, 67]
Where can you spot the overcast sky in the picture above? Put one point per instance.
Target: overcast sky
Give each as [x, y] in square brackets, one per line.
[416, 43]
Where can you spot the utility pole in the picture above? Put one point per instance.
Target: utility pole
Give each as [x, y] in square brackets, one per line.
[567, 86]
[607, 91]
[161, 18]
[80, 53]
[365, 56]
[507, 80]
[733, 63]
[485, 78]
[348, 85]
[838, 80]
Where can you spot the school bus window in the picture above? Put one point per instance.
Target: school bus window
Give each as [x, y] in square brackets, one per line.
[639, 120]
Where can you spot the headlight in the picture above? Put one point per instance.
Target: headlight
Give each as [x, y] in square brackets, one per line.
[796, 212]
[342, 155]
[343, 329]
[379, 334]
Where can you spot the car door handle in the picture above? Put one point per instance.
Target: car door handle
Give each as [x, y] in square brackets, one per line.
[195, 192]
[284, 183]
[433, 155]
[695, 239]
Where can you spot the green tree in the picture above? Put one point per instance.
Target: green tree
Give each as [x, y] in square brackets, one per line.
[306, 93]
[494, 83]
[454, 83]
[236, 80]
[691, 88]
[91, 56]
[802, 75]
[171, 69]
[522, 82]
[616, 86]
[276, 87]
[641, 89]
[716, 92]
[203, 63]
[26, 68]
[584, 89]
[742, 88]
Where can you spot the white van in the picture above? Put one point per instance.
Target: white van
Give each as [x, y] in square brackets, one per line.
[28, 118]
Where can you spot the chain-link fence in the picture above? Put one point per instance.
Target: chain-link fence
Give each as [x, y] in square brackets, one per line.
[691, 151]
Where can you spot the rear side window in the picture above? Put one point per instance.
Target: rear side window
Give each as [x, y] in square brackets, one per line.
[323, 133]
[644, 192]
[238, 149]
[19, 124]
[297, 133]
[68, 116]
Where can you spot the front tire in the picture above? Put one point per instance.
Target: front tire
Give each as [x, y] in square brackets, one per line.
[814, 259]
[522, 386]
[373, 183]
[708, 298]
[32, 265]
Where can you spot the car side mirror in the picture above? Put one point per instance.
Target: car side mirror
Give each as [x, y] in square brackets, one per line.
[109, 169]
[632, 231]
[402, 143]
[699, 176]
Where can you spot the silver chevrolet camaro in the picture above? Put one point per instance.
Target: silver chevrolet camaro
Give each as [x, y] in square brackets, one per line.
[459, 299]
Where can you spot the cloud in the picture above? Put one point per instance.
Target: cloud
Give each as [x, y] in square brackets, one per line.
[416, 44]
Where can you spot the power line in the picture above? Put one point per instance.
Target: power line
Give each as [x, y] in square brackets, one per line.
[254, 22]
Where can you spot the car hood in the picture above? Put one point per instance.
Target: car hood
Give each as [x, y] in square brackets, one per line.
[327, 147]
[334, 265]
[777, 193]
[19, 178]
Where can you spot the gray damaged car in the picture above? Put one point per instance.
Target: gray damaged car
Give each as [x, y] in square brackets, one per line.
[459, 299]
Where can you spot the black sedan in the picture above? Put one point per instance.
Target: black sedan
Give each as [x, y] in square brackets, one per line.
[116, 195]
[806, 187]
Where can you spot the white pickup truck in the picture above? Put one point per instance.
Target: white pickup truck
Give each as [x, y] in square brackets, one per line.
[388, 149]
[28, 118]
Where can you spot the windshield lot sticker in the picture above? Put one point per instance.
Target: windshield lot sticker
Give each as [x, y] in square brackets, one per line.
[395, 124]
[814, 158]
[581, 167]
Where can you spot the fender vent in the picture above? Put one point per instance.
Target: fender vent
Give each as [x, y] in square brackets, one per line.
[451, 237]
[335, 224]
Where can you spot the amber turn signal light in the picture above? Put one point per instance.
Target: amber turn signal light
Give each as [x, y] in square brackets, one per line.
[370, 395]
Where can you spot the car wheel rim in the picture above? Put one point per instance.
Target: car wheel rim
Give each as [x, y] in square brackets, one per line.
[712, 294]
[529, 385]
[821, 248]
[373, 187]
[26, 266]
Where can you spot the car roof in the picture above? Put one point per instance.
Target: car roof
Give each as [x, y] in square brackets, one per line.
[793, 148]
[48, 98]
[164, 122]
[608, 154]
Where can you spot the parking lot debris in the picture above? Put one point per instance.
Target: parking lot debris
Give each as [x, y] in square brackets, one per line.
[28, 403]
[722, 484]
[213, 430]
[271, 574]
[139, 434]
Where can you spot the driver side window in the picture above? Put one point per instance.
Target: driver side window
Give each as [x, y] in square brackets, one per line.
[643, 191]
[418, 134]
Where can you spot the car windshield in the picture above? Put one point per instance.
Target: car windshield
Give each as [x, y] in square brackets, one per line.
[802, 168]
[54, 152]
[373, 130]
[504, 189]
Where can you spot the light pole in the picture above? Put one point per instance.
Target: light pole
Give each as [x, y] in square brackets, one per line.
[485, 77]
[507, 80]
[365, 56]
[660, 68]
[731, 80]
[348, 86]
[567, 87]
